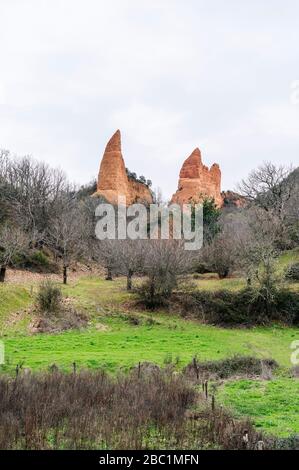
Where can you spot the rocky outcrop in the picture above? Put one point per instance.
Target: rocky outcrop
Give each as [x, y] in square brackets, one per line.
[197, 181]
[139, 192]
[233, 200]
[113, 180]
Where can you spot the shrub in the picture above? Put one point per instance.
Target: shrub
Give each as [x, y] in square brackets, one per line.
[295, 372]
[202, 268]
[156, 291]
[65, 318]
[292, 272]
[248, 306]
[286, 443]
[35, 260]
[197, 276]
[236, 365]
[287, 306]
[39, 258]
[214, 307]
[49, 297]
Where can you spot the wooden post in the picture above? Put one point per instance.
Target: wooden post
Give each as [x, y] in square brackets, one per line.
[213, 402]
[2, 273]
[196, 368]
[206, 389]
[260, 445]
[64, 274]
[245, 439]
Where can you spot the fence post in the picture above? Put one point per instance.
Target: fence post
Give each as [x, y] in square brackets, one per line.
[213, 402]
[245, 439]
[206, 389]
[260, 445]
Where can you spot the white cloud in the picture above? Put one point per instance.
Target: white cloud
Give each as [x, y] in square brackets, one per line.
[281, 120]
[172, 75]
[2, 94]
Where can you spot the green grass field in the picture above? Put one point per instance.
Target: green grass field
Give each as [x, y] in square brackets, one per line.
[114, 342]
[272, 405]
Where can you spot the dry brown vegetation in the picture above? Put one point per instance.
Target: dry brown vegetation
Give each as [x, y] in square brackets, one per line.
[93, 410]
[236, 366]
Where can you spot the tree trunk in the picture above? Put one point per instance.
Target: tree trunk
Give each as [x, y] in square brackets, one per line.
[109, 274]
[129, 279]
[152, 290]
[64, 274]
[2, 273]
[223, 273]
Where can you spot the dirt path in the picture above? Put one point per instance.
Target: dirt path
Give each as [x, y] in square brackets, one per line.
[18, 276]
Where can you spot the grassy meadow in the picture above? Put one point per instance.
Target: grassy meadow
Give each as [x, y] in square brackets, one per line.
[119, 335]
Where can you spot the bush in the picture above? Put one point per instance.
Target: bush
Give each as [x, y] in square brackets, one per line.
[55, 314]
[249, 306]
[49, 297]
[65, 318]
[35, 260]
[236, 365]
[155, 292]
[286, 443]
[202, 268]
[287, 306]
[39, 258]
[292, 272]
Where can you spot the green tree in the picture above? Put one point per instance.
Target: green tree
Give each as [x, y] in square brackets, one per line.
[211, 216]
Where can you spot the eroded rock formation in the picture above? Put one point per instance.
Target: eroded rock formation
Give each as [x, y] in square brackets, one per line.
[197, 181]
[233, 200]
[113, 180]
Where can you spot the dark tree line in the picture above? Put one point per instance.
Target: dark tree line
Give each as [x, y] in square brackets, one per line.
[40, 208]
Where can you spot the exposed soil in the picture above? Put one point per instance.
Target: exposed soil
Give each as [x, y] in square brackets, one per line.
[20, 276]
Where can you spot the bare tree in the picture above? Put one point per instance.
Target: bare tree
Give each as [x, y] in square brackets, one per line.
[275, 189]
[4, 166]
[66, 235]
[269, 186]
[220, 254]
[164, 261]
[13, 241]
[256, 244]
[131, 258]
[106, 253]
[32, 190]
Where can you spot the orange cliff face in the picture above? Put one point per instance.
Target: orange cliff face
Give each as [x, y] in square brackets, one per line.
[197, 181]
[113, 181]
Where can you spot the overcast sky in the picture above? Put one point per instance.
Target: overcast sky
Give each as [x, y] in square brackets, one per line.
[172, 75]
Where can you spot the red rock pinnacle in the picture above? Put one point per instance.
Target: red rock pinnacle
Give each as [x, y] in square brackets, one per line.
[113, 181]
[197, 181]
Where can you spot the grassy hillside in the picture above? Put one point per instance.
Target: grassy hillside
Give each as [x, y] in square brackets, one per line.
[14, 299]
[114, 340]
[118, 336]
